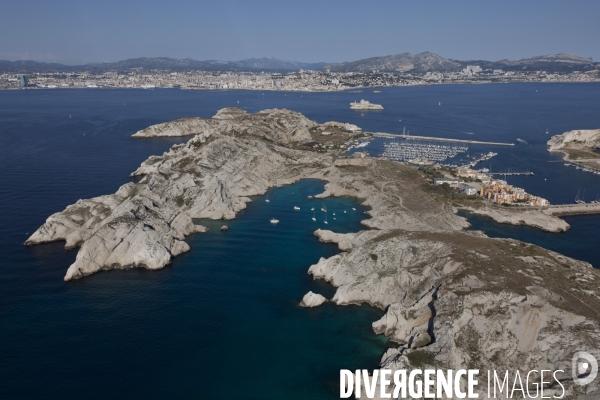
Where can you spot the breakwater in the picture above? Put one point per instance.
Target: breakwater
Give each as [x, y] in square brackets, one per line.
[440, 139]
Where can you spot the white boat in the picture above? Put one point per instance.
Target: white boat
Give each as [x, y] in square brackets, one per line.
[148, 86]
[314, 218]
[92, 86]
[547, 131]
[354, 208]
[324, 209]
[312, 209]
[296, 208]
[267, 199]
[274, 221]
[344, 211]
[578, 200]
[326, 218]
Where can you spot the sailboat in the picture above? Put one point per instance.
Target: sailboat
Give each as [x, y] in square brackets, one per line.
[312, 209]
[314, 218]
[440, 103]
[296, 208]
[326, 218]
[354, 208]
[267, 199]
[578, 200]
[274, 221]
[323, 208]
[547, 131]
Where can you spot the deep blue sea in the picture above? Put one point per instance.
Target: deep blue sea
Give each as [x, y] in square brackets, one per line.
[223, 321]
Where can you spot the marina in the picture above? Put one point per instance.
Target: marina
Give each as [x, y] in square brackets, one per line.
[585, 169]
[526, 173]
[411, 150]
[439, 139]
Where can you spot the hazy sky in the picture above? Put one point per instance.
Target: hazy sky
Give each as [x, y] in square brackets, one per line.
[77, 32]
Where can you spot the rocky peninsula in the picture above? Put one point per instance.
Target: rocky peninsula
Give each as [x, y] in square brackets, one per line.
[452, 298]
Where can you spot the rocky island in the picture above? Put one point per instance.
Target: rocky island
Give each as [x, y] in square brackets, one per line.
[365, 105]
[452, 298]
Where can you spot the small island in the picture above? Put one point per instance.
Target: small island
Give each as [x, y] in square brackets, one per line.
[365, 105]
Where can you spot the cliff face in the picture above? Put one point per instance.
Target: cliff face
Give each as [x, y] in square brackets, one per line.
[589, 138]
[144, 224]
[452, 298]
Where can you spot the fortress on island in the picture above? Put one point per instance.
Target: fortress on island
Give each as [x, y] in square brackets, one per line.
[365, 105]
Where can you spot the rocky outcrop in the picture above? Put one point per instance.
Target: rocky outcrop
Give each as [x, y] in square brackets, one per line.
[454, 301]
[311, 299]
[589, 138]
[180, 127]
[210, 176]
[282, 126]
[536, 219]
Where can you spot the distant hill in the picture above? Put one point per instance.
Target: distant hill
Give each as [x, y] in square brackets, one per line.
[163, 63]
[429, 62]
[274, 64]
[405, 62]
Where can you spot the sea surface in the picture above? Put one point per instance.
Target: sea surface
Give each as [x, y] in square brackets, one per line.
[222, 321]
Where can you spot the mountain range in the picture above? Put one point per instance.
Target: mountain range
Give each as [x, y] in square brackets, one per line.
[405, 62]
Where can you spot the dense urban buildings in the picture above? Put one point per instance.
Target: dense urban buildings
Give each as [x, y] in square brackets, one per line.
[289, 81]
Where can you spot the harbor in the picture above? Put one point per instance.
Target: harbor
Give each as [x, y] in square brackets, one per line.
[526, 173]
[439, 139]
[409, 150]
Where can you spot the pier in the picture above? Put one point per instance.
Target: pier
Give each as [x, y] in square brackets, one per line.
[572, 209]
[389, 135]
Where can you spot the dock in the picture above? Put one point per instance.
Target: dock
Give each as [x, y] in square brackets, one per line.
[413, 137]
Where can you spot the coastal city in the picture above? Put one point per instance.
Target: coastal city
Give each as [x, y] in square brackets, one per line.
[308, 81]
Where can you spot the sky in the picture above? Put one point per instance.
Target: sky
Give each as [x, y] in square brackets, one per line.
[82, 31]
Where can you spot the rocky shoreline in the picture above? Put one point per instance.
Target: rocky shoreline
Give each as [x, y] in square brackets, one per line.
[452, 298]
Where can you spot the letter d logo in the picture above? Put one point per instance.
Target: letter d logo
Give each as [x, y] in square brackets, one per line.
[584, 372]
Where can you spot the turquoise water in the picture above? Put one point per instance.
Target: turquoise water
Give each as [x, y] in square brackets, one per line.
[223, 321]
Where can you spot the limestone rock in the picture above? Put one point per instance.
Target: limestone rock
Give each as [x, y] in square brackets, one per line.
[211, 176]
[311, 299]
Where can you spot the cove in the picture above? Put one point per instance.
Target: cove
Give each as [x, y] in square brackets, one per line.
[221, 321]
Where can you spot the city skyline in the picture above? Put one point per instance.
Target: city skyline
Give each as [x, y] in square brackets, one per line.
[75, 33]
